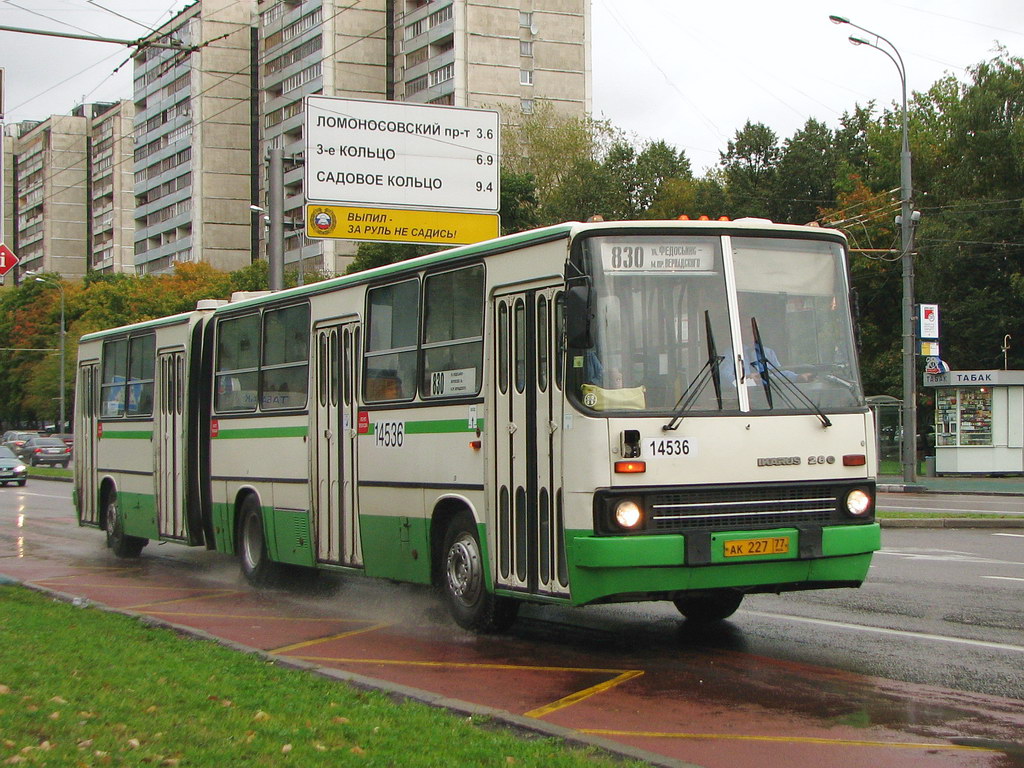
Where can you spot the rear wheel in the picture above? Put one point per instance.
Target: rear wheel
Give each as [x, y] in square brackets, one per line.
[469, 602]
[707, 607]
[119, 542]
[257, 566]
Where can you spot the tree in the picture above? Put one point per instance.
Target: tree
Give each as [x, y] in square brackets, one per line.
[806, 174]
[518, 202]
[370, 255]
[750, 164]
[552, 148]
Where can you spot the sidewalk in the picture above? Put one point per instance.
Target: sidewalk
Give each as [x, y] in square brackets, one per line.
[972, 484]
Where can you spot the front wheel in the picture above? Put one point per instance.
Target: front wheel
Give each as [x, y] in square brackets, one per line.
[707, 607]
[469, 601]
[257, 566]
[120, 543]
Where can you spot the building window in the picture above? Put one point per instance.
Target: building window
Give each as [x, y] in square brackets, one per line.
[417, 85]
[526, 47]
[418, 56]
[526, 105]
[526, 77]
[443, 74]
[441, 16]
[526, 18]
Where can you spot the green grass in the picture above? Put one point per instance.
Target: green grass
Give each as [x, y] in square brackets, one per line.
[82, 687]
[49, 472]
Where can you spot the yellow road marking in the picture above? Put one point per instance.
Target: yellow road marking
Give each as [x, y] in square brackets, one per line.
[780, 739]
[463, 665]
[586, 693]
[621, 676]
[91, 570]
[317, 641]
[248, 617]
[213, 594]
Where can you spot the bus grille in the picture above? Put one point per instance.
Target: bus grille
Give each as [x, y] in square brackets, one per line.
[742, 508]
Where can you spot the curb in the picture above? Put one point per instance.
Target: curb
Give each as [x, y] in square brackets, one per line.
[525, 726]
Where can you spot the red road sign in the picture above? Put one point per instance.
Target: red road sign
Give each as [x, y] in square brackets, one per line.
[7, 259]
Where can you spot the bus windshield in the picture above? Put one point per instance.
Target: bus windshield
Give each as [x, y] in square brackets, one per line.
[716, 324]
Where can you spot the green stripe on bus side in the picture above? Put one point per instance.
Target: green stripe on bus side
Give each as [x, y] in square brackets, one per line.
[439, 427]
[123, 434]
[258, 432]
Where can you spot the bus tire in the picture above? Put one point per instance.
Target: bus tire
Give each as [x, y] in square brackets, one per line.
[120, 543]
[462, 581]
[258, 568]
[711, 606]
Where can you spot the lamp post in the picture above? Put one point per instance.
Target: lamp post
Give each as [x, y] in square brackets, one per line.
[906, 220]
[57, 283]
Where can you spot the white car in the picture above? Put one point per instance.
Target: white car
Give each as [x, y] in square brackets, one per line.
[12, 469]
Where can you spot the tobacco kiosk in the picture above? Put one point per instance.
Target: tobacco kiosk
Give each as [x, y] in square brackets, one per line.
[979, 422]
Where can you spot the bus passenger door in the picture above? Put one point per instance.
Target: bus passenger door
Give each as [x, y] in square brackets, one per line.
[168, 440]
[86, 437]
[335, 510]
[528, 530]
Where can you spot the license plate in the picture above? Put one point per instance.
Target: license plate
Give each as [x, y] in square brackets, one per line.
[6, 473]
[775, 545]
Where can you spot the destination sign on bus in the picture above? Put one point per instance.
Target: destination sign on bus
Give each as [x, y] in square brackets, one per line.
[657, 257]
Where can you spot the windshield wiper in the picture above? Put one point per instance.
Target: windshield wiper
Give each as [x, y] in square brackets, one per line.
[782, 379]
[762, 360]
[708, 372]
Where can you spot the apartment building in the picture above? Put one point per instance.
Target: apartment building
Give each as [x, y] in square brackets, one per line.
[49, 193]
[487, 54]
[178, 172]
[112, 188]
[193, 140]
[452, 52]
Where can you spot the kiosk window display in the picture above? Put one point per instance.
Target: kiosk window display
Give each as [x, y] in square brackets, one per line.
[979, 421]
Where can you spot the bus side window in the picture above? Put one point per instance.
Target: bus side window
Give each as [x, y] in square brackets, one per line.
[453, 328]
[392, 322]
[238, 343]
[115, 378]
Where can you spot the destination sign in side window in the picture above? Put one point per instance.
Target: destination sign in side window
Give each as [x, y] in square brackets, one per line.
[656, 255]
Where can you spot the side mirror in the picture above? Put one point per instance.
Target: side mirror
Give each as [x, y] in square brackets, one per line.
[579, 317]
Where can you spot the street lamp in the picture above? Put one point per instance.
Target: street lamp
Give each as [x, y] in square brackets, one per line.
[907, 220]
[60, 287]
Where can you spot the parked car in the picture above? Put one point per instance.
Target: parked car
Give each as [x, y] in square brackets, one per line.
[44, 450]
[12, 469]
[16, 438]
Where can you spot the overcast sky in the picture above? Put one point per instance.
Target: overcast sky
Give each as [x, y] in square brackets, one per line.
[691, 73]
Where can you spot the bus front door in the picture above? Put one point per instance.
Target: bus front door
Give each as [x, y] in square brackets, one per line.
[335, 509]
[86, 437]
[528, 527]
[168, 439]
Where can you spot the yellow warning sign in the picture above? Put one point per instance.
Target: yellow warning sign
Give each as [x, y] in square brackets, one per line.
[400, 226]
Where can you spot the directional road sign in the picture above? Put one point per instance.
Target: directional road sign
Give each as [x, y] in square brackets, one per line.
[7, 260]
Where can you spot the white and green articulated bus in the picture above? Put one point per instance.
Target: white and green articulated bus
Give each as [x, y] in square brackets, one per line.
[586, 413]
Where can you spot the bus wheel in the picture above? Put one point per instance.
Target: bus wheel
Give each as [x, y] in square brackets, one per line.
[257, 566]
[119, 542]
[710, 606]
[470, 603]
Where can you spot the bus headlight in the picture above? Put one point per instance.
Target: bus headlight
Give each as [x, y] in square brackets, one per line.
[628, 515]
[858, 503]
